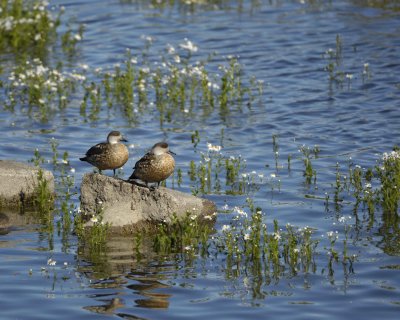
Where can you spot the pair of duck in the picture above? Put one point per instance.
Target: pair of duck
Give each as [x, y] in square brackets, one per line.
[155, 166]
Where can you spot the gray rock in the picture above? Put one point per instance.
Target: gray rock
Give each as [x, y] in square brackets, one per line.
[126, 205]
[18, 182]
[4, 221]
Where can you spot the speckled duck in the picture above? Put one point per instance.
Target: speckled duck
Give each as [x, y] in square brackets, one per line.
[155, 166]
[108, 155]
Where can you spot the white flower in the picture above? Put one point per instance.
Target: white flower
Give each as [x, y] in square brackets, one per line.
[226, 227]
[213, 147]
[94, 219]
[77, 37]
[246, 236]
[277, 236]
[188, 45]
[170, 49]
[240, 211]
[51, 262]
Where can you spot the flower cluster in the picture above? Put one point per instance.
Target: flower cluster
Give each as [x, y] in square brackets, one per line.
[391, 156]
[25, 24]
[38, 85]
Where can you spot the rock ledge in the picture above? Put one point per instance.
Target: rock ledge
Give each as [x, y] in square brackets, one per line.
[129, 206]
[18, 182]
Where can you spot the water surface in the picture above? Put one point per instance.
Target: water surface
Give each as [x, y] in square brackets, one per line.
[283, 44]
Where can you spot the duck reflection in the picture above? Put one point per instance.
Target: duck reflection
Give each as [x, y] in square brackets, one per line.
[107, 308]
[145, 286]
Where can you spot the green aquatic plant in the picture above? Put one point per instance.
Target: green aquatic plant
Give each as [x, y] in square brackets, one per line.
[188, 235]
[309, 172]
[250, 244]
[39, 90]
[176, 87]
[27, 27]
[336, 66]
[371, 189]
[195, 138]
[217, 173]
[388, 172]
[43, 197]
[334, 57]
[70, 39]
[94, 236]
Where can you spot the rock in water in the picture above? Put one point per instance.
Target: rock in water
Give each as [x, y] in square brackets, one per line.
[18, 183]
[126, 205]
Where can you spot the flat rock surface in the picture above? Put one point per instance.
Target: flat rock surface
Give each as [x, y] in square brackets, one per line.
[18, 182]
[125, 204]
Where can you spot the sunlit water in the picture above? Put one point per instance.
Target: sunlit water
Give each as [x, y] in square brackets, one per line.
[282, 43]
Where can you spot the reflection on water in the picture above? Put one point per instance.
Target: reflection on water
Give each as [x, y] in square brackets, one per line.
[109, 307]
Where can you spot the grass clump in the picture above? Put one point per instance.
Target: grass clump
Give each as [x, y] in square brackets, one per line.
[310, 173]
[92, 237]
[43, 198]
[388, 172]
[188, 234]
[27, 26]
[42, 89]
[248, 242]
[372, 188]
[217, 173]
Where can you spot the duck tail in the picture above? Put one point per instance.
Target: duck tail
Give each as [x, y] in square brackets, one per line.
[133, 176]
[83, 159]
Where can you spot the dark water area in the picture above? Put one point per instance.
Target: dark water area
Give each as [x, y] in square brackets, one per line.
[284, 45]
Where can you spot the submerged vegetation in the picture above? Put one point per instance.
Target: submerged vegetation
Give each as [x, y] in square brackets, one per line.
[246, 241]
[171, 82]
[174, 87]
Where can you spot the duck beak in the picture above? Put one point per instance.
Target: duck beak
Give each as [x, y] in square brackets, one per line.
[170, 152]
[124, 140]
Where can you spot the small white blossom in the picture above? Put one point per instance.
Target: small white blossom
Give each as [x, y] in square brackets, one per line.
[188, 45]
[51, 262]
[213, 147]
[277, 236]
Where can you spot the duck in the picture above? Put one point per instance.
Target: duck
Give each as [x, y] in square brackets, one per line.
[109, 155]
[155, 166]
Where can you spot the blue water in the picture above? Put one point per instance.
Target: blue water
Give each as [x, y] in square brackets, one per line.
[283, 44]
